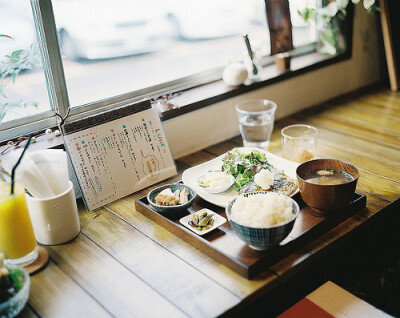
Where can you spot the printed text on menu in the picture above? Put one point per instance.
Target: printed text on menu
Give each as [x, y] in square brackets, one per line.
[119, 157]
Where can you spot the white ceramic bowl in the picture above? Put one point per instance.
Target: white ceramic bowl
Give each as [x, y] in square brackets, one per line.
[176, 208]
[263, 238]
[216, 188]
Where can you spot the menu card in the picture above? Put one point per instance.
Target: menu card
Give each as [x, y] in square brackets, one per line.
[118, 152]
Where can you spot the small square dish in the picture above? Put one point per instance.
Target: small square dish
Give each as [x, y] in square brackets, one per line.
[218, 221]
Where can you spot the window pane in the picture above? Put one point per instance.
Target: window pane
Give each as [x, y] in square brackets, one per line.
[131, 45]
[303, 32]
[22, 84]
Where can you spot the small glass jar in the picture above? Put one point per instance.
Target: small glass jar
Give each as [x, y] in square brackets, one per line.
[299, 142]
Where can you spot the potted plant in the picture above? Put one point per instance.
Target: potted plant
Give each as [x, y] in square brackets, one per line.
[327, 15]
[10, 67]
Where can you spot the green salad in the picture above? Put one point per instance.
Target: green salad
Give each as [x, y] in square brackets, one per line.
[244, 166]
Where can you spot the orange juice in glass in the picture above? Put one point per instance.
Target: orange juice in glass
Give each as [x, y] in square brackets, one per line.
[17, 240]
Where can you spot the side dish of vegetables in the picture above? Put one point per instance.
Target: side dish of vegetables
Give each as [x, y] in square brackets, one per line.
[244, 166]
[253, 172]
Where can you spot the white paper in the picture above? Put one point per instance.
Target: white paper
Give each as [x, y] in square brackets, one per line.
[117, 158]
[28, 173]
[52, 163]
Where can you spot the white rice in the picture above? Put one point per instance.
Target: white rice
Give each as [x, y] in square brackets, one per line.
[262, 210]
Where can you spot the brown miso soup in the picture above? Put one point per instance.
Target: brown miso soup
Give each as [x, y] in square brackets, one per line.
[328, 177]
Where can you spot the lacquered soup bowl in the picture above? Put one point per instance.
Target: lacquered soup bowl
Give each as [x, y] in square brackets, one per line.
[326, 197]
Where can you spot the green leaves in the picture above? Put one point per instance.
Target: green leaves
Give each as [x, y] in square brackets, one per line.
[10, 67]
[15, 54]
[242, 178]
[259, 156]
[243, 166]
[335, 9]
[328, 40]
[307, 13]
[11, 284]
[16, 276]
[342, 14]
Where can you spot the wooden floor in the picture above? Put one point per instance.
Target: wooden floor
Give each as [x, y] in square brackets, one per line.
[124, 265]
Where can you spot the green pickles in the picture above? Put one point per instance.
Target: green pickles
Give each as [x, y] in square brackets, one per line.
[202, 221]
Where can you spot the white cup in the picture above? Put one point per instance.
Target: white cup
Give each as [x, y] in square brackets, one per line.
[55, 220]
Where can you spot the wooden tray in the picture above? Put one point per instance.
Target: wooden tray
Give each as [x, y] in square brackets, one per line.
[225, 247]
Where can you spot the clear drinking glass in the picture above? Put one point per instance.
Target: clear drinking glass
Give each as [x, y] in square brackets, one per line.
[17, 240]
[256, 122]
[299, 142]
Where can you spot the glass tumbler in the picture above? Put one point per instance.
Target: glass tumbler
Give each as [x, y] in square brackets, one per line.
[17, 240]
[256, 122]
[299, 142]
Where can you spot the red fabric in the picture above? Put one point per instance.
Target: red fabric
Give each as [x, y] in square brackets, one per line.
[305, 308]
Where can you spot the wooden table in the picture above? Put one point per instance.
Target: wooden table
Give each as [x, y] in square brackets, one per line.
[122, 264]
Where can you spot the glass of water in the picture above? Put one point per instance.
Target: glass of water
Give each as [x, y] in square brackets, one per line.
[256, 122]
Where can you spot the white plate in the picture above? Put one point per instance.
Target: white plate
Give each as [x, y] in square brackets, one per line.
[218, 221]
[190, 175]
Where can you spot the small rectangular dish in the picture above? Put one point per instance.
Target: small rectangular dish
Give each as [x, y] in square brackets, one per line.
[218, 221]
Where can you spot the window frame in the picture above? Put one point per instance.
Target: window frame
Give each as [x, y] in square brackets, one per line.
[58, 93]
